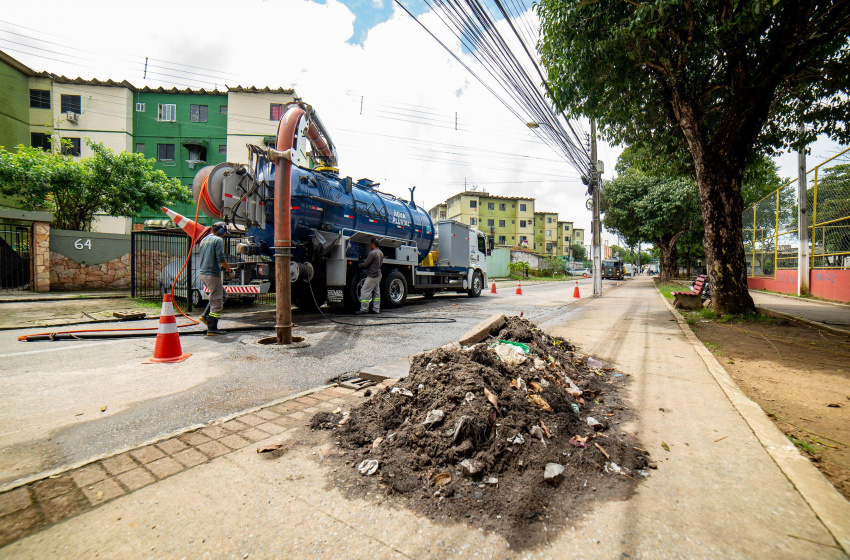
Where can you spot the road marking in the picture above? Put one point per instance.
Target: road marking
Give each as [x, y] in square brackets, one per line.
[74, 347]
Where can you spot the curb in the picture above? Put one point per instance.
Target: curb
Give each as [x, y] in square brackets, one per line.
[815, 324]
[798, 298]
[829, 506]
[60, 298]
[71, 466]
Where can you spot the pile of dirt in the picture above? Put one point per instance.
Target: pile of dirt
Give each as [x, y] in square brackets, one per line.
[468, 436]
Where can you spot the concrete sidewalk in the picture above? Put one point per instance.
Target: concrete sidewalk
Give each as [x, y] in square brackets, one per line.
[716, 493]
[831, 315]
[20, 297]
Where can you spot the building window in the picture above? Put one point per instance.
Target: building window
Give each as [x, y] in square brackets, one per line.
[523, 240]
[165, 152]
[548, 247]
[501, 223]
[473, 204]
[222, 149]
[548, 219]
[40, 140]
[140, 148]
[197, 113]
[223, 109]
[166, 112]
[491, 206]
[522, 223]
[567, 238]
[491, 222]
[140, 107]
[522, 207]
[72, 147]
[502, 207]
[548, 233]
[39, 99]
[473, 221]
[71, 104]
[275, 111]
[502, 240]
[442, 214]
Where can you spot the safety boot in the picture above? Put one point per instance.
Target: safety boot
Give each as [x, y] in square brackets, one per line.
[212, 326]
[204, 315]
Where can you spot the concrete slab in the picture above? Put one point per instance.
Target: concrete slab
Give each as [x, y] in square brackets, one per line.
[483, 329]
[390, 370]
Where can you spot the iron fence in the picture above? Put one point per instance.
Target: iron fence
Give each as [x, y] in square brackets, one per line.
[15, 256]
[771, 225]
[157, 257]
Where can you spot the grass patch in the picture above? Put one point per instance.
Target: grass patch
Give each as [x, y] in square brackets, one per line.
[147, 303]
[805, 446]
[714, 347]
[668, 289]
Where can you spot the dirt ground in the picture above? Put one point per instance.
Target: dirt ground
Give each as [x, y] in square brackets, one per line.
[800, 376]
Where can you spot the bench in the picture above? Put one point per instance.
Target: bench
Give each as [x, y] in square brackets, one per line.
[693, 298]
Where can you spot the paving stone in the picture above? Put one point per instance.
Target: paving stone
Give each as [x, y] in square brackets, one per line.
[49, 488]
[250, 419]
[309, 401]
[214, 432]
[66, 505]
[323, 395]
[136, 478]
[340, 391]
[311, 410]
[13, 501]
[234, 441]
[194, 439]
[89, 475]
[235, 426]
[102, 491]
[119, 463]
[281, 409]
[172, 446]
[213, 449]
[327, 406]
[271, 428]
[147, 454]
[18, 524]
[337, 400]
[267, 414]
[300, 415]
[165, 467]
[254, 434]
[190, 458]
[285, 422]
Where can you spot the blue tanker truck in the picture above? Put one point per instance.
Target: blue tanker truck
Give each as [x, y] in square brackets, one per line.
[333, 219]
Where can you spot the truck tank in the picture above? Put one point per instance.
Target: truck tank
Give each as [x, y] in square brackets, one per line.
[321, 200]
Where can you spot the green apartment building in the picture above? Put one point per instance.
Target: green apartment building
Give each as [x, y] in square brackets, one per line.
[14, 102]
[184, 131]
[546, 233]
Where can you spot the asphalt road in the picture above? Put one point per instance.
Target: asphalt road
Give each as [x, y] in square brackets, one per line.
[53, 393]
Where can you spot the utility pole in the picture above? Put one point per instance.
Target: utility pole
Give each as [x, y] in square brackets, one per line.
[802, 226]
[597, 225]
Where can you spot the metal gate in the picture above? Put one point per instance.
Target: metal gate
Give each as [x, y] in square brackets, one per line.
[15, 256]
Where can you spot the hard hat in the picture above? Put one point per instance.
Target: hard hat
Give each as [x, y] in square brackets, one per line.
[219, 226]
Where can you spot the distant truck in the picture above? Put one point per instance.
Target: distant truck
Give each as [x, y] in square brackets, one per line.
[613, 269]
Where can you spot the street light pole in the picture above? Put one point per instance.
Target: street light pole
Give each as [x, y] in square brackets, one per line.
[597, 226]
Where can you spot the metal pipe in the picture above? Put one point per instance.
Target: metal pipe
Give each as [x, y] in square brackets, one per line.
[286, 133]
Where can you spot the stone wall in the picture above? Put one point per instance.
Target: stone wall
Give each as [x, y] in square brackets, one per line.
[68, 274]
[41, 253]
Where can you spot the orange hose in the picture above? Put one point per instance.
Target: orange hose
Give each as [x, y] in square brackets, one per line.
[173, 285]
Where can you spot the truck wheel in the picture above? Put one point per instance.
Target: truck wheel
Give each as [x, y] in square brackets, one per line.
[394, 290]
[197, 300]
[477, 285]
[352, 293]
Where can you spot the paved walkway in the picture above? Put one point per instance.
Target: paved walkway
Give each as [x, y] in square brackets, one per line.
[717, 493]
[834, 315]
[7, 297]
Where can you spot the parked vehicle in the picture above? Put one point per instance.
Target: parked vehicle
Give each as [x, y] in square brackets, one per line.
[612, 269]
[583, 272]
[197, 293]
[333, 220]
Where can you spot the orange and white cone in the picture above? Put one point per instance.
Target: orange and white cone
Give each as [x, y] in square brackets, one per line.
[575, 292]
[191, 228]
[493, 288]
[167, 348]
[518, 288]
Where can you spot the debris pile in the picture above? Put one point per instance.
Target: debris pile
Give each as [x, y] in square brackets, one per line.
[494, 433]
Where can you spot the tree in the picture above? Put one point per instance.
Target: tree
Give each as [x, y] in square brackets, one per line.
[722, 78]
[640, 207]
[579, 252]
[116, 184]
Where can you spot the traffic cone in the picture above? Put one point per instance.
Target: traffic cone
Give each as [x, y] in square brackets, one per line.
[518, 288]
[191, 228]
[575, 292]
[167, 348]
[493, 288]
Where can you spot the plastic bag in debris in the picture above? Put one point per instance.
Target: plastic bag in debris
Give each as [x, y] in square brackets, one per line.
[512, 353]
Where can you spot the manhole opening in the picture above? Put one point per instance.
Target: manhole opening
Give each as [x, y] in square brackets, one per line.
[273, 340]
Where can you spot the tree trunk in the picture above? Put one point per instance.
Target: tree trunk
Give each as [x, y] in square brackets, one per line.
[667, 246]
[688, 262]
[722, 212]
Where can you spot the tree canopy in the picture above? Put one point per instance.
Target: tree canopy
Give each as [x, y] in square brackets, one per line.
[721, 78]
[116, 184]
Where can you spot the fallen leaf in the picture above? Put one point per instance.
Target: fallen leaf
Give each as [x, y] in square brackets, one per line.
[540, 401]
[545, 430]
[494, 400]
[536, 386]
[268, 448]
[602, 450]
[665, 446]
[441, 479]
[376, 443]
[103, 408]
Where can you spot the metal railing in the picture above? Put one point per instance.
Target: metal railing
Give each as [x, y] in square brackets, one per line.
[15, 256]
[771, 225]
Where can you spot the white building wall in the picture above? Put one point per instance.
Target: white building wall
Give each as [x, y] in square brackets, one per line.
[248, 120]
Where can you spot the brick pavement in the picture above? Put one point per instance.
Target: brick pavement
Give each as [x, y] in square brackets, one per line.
[36, 506]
